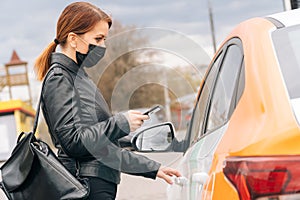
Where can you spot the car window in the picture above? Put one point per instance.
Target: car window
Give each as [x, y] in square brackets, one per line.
[224, 92]
[241, 85]
[199, 112]
[287, 47]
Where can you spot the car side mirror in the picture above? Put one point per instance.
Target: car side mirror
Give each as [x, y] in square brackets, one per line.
[157, 138]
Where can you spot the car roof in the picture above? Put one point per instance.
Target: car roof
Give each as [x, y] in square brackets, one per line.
[287, 18]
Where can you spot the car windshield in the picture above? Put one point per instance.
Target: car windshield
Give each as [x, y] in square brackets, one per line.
[287, 46]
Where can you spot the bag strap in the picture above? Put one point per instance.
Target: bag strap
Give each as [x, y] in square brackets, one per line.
[37, 113]
[36, 118]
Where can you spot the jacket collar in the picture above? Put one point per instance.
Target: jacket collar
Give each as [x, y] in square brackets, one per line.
[65, 61]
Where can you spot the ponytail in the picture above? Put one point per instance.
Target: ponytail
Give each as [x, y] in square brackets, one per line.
[42, 63]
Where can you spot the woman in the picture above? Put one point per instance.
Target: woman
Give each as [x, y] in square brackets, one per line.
[81, 126]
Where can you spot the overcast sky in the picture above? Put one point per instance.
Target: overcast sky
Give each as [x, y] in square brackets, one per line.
[28, 26]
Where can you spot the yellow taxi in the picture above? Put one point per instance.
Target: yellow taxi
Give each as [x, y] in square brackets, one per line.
[243, 140]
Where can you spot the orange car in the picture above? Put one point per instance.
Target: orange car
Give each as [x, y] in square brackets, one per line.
[243, 141]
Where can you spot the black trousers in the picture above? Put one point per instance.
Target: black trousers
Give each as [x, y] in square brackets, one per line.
[101, 189]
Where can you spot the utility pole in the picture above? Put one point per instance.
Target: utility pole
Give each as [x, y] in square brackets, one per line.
[212, 26]
[291, 4]
[295, 4]
[166, 95]
[287, 5]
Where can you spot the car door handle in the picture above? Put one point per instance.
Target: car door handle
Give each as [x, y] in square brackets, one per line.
[181, 181]
[200, 177]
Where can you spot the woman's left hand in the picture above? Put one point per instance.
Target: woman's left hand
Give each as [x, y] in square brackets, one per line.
[135, 119]
[166, 173]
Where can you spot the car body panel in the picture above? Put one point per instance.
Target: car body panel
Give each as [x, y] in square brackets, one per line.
[255, 117]
[263, 114]
[289, 18]
[260, 100]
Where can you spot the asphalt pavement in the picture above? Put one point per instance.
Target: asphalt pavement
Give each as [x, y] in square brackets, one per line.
[140, 188]
[2, 196]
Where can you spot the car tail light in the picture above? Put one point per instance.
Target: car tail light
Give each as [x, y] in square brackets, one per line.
[255, 177]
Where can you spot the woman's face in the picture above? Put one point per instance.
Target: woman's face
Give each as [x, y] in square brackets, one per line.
[95, 36]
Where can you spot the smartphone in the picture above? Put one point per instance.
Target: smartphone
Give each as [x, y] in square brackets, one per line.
[152, 110]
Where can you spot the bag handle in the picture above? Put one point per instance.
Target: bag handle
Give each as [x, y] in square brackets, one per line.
[37, 113]
[36, 118]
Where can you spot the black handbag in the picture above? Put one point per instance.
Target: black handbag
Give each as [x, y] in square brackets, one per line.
[33, 172]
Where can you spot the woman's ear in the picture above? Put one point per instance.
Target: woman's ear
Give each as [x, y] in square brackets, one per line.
[72, 39]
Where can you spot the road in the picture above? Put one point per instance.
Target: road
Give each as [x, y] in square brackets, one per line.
[2, 196]
[139, 188]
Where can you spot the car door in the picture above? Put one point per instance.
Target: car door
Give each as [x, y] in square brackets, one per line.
[219, 96]
[181, 190]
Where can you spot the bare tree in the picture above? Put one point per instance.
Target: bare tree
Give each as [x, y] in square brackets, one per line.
[124, 54]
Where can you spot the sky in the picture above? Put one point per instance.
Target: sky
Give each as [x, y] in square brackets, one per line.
[29, 26]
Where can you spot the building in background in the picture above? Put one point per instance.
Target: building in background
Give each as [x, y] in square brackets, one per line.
[16, 116]
[16, 112]
[14, 80]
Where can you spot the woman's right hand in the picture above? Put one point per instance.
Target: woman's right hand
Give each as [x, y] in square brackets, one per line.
[135, 119]
[166, 173]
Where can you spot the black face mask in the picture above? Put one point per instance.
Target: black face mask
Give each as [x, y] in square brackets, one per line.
[92, 57]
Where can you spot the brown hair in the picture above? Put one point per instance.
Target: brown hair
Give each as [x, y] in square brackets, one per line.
[79, 18]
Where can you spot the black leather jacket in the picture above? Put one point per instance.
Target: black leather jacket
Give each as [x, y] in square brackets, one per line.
[83, 129]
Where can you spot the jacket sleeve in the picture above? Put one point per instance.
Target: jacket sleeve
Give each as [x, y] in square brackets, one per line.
[138, 165]
[62, 112]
